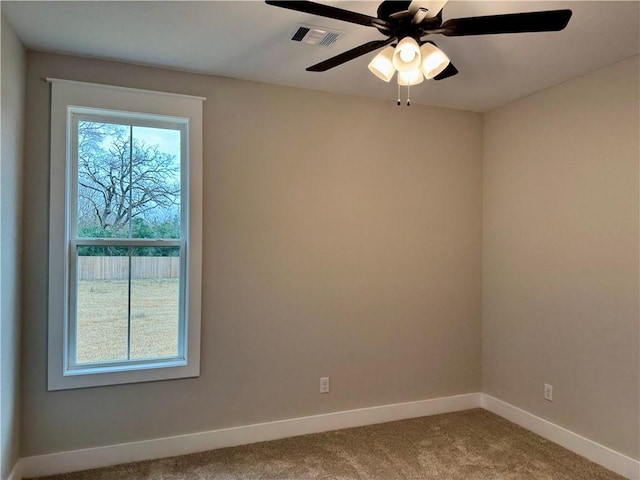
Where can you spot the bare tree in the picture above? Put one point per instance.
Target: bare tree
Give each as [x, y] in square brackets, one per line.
[121, 178]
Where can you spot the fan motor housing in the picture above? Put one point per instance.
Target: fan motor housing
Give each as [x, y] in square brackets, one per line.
[388, 8]
[397, 13]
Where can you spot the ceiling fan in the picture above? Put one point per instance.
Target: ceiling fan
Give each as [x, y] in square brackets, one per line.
[407, 23]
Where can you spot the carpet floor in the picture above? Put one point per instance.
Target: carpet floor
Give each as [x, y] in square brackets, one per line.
[469, 445]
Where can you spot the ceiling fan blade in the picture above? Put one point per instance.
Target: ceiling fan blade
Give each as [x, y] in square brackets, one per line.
[549, 21]
[332, 12]
[450, 71]
[349, 55]
[432, 7]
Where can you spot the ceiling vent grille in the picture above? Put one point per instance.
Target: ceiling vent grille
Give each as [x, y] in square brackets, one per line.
[311, 35]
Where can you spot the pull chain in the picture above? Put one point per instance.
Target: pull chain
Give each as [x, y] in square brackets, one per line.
[399, 102]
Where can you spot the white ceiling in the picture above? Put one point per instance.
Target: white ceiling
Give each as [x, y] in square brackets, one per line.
[248, 40]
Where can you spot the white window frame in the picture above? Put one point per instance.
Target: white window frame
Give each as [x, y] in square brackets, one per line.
[69, 98]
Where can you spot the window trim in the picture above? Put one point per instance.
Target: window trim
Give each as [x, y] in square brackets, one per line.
[68, 97]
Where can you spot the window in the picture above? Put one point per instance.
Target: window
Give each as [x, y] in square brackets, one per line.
[125, 235]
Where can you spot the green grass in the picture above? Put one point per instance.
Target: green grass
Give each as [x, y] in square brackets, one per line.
[102, 319]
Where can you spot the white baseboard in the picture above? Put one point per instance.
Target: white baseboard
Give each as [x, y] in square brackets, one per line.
[16, 473]
[63, 462]
[84, 459]
[610, 459]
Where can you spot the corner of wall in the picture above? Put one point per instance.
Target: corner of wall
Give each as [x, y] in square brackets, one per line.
[12, 85]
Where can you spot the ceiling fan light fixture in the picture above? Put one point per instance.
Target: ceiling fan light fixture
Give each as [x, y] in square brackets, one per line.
[410, 78]
[434, 60]
[382, 64]
[407, 55]
[409, 21]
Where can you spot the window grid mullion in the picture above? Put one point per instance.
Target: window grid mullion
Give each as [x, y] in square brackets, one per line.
[130, 236]
[129, 308]
[130, 180]
[124, 242]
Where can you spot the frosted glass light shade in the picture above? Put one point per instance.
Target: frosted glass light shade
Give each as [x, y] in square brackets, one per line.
[412, 77]
[407, 55]
[382, 65]
[434, 61]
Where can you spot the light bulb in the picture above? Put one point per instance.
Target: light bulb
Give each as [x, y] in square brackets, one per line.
[407, 55]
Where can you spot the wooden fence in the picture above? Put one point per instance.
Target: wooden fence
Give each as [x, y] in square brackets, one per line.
[117, 268]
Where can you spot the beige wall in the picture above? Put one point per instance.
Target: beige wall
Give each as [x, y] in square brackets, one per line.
[329, 250]
[12, 127]
[342, 238]
[560, 255]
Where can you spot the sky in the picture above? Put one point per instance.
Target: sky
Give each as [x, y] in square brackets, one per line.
[168, 141]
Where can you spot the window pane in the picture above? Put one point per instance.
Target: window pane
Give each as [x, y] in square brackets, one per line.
[104, 170]
[155, 184]
[155, 300]
[128, 181]
[102, 304]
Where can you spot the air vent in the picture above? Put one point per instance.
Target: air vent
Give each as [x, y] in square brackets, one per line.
[311, 35]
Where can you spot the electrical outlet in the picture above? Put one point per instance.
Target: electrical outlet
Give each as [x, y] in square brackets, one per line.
[324, 384]
[548, 392]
